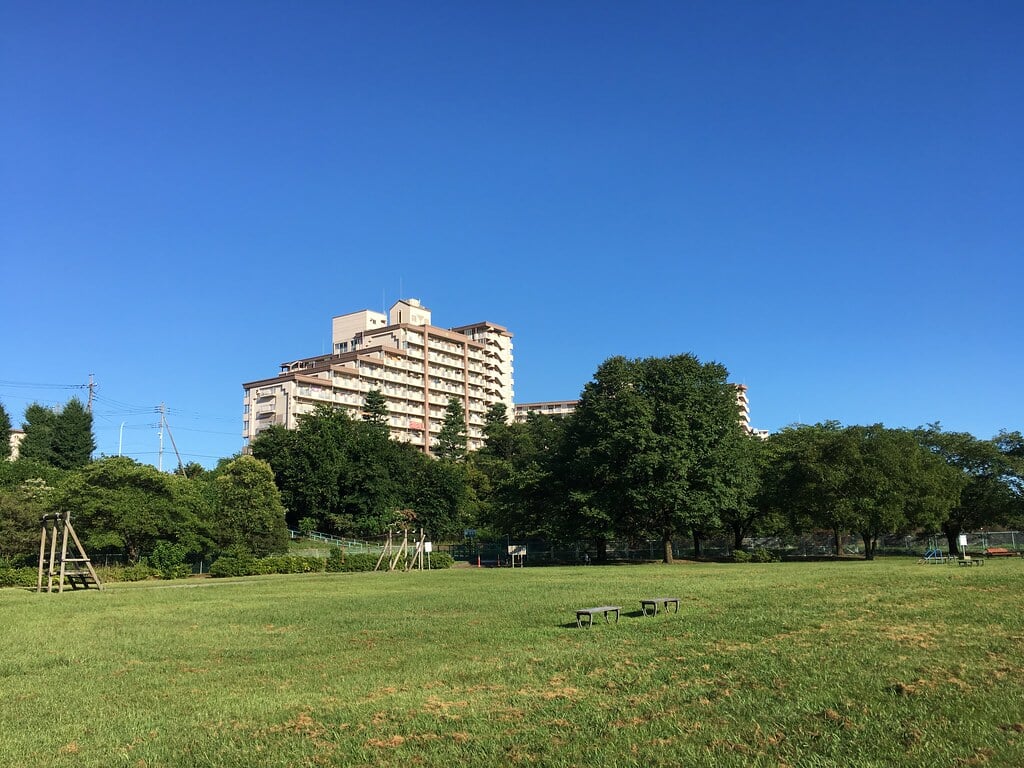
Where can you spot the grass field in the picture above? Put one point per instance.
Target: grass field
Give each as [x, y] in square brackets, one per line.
[801, 664]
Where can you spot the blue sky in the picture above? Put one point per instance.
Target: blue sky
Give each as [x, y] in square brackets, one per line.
[824, 197]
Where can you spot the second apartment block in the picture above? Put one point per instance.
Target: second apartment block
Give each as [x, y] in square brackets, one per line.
[417, 366]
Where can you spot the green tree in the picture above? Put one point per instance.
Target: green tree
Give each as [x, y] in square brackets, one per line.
[871, 480]
[119, 504]
[452, 439]
[249, 514]
[73, 441]
[751, 510]
[808, 476]
[5, 434]
[375, 409]
[657, 446]
[21, 508]
[992, 472]
[39, 426]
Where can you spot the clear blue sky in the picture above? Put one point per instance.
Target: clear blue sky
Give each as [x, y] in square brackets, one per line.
[824, 197]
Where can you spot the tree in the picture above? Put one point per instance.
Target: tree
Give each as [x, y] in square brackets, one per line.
[657, 445]
[249, 513]
[871, 480]
[5, 434]
[119, 504]
[375, 409]
[752, 508]
[992, 472]
[452, 440]
[73, 441]
[39, 425]
[21, 508]
[807, 479]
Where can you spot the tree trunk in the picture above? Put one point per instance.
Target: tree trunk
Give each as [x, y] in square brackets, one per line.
[667, 545]
[697, 542]
[601, 545]
[737, 537]
[869, 546]
[952, 541]
[836, 541]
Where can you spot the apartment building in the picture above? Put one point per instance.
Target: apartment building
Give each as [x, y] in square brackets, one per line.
[556, 408]
[417, 366]
[563, 408]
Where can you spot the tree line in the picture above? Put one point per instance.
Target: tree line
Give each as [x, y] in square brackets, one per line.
[654, 451]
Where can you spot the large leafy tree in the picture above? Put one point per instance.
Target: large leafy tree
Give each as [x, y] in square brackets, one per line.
[867, 479]
[249, 514]
[751, 509]
[5, 433]
[521, 464]
[345, 476]
[993, 475]
[807, 478]
[119, 504]
[657, 448]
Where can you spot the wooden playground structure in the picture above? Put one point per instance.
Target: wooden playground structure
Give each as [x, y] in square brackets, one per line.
[81, 574]
[407, 555]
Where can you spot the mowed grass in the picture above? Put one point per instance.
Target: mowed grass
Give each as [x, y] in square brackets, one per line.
[801, 664]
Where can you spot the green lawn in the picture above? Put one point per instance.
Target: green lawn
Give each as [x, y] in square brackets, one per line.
[801, 664]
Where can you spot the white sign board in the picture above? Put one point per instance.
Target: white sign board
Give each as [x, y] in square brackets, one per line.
[963, 541]
[428, 546]
[517, 549]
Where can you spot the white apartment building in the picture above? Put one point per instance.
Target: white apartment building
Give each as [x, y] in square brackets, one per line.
[555, 408]
[563, 408]
[415, 365]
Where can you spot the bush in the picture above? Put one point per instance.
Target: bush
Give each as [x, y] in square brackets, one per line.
[239, 564]
[763, 556]
[441, 560]
[741, 557]
[168, 561]
[359, 562]
[290, 564]
[17, 577]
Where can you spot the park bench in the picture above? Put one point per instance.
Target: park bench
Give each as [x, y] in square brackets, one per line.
[589, 612]
[654, 602]
[968, 560]
[1000, 552]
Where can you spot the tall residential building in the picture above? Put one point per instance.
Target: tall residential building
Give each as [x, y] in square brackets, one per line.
[563, 408]
[418, 367]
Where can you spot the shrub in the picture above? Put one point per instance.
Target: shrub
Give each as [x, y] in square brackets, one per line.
[235, 564]
[359, 562]
[17, 577]
[335, 561]
[763, 556]
[441, 560]
[741, 557]
[168, 561]
[137, 572]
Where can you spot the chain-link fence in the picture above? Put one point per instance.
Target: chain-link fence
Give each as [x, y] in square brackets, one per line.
[820, 544]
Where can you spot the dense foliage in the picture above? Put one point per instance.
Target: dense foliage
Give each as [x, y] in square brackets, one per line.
[655, 451]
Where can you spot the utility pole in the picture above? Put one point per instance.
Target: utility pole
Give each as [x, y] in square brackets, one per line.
[92, 386]
[160, 434]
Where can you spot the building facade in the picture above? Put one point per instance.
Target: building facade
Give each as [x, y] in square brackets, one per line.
[556, 408]
[562, 408]
[416, 366]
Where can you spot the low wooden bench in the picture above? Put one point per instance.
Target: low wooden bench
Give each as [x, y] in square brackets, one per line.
[970, 561]
[654, 602]
[1000, 552]
[589, 612]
